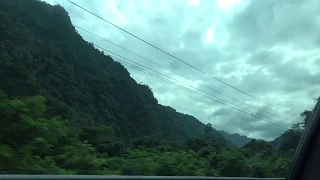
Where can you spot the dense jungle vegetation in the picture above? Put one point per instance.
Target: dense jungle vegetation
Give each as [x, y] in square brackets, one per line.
[66, 108]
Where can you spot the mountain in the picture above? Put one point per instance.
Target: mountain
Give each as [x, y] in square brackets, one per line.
[235, 138]
[288, 140]
[42, 54]
[276, 143]
[67, 108]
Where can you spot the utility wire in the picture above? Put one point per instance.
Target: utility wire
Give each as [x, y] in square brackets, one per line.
[180, 82]
[146, 42]
[195, 92]
[221, 101]
[175, 72]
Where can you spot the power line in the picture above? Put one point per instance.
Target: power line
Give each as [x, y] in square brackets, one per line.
[177, 80]
[154, 75]
[190, 90]
[221, 101]
[171, 55]
[174, 71]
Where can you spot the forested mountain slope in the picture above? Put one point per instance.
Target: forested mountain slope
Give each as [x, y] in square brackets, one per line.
[66, 108]
[235, 138]
[42, 54]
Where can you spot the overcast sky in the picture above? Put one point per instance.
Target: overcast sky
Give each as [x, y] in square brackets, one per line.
[267, 48]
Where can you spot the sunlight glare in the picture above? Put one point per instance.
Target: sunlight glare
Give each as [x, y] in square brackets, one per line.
[194, 2]
[210, 35]
[227, 4]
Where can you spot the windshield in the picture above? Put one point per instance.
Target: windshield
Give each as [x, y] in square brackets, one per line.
[218, 88]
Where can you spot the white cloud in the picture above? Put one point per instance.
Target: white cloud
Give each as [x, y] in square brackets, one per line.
[227, 4]
[194, 2]
[269, 49]
[210, 35]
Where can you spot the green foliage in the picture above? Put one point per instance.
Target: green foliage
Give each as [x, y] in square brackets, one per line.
[208, 132]
[291, 139]
[257, 146]
[229, 163]
[112, 149]
[33, 144]
[80, 158]
[42, 54]
[195, 144]
[306, 115]
[27, 139]
[72, 110]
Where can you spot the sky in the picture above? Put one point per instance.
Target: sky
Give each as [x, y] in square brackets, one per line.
[269, 49]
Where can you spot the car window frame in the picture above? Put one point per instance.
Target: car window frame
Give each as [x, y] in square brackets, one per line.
[306, 162]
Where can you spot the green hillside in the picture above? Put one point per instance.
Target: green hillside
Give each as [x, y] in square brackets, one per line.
[66, 108]
[42, 54]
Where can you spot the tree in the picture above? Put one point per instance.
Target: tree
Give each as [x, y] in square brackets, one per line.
[257, 146]
[208, 132]
[291, 139]
[28, 141]
[306, 115]
[72, 110]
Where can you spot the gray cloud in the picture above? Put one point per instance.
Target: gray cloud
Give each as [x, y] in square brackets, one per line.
[269, 49]
[269, 23]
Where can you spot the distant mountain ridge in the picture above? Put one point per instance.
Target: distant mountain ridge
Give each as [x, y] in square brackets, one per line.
[235, 138]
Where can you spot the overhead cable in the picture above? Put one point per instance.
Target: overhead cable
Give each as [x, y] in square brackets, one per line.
[187, 87]
[186, 63]
[208, 87]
